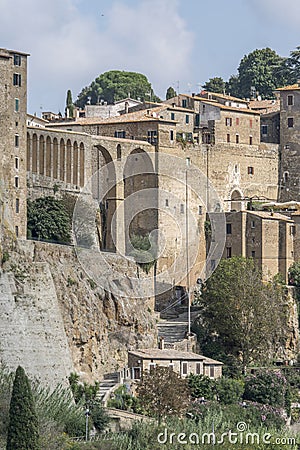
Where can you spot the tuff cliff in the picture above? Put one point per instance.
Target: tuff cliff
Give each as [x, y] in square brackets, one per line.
[55, 318]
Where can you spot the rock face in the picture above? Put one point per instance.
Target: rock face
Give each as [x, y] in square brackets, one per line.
[63, 320]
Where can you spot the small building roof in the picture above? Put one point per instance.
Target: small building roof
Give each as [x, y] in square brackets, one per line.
[156, 353]
[265, 106]
[229, 108]
[291, 87]
[225, 97]
[270, 215]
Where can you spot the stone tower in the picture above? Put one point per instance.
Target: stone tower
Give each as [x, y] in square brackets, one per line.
[13, 110]
[289, 178]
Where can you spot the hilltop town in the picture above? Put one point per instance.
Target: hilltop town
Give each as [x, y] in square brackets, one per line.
[203, 177]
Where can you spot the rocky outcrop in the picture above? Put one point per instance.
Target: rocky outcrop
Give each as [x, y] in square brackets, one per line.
[99, 326]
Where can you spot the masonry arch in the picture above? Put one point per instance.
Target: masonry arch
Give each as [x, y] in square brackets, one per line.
[75, 163]
[48, 157]
[140, 212]
[69, 162]
[62, 159]
[81, 164]
[28, 154]
[236, 203]
[34, 153]
[42, 155]
[104, 190]
[55, 158]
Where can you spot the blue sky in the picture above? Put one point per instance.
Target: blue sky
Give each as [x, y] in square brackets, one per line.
[173, 42]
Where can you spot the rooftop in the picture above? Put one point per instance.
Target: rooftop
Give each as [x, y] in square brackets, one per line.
[229, 108]
[292, 87]
[155, 353]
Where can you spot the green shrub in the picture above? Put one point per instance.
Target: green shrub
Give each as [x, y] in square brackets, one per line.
[201, 386]
[229, 390]
[266, 386]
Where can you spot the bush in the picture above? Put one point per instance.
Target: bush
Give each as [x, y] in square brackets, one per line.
[268, 387]
[229, 390]
[201, 386]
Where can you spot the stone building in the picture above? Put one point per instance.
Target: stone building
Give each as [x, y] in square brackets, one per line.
[184, 363]
[267, 237]
[13, 103]
[289, 180]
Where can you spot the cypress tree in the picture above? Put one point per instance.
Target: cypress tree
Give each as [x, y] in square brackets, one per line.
[69, 104]
[23, 422]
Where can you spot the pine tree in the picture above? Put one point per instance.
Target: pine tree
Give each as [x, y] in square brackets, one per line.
[23, 422]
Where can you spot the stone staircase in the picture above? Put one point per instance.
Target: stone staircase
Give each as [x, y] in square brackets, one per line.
[175, 327]
[106, 385]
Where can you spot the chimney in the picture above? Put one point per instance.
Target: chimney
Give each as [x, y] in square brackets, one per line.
[193, 94]
[126, 107]
[161, 344]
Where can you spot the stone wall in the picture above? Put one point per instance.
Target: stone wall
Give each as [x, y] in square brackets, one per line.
[52, 289]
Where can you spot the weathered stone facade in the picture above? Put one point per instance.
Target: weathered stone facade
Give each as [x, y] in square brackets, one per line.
[13, 107]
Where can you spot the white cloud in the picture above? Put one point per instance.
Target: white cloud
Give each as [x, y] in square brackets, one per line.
[286, 12]
[70, 47]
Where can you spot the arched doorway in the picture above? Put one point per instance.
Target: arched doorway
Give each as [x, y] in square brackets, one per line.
[140, 196]
[236, 203]
[104, 191]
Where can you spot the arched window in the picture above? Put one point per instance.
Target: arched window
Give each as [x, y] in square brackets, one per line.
[48, 157]
[62, 159]
[81, 171]
[42, 155]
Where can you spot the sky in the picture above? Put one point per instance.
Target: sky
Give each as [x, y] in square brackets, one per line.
[179, 43]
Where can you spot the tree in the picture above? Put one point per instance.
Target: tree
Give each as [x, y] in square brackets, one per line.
[216, 84]
[163, 393]
[229, 390]
[293, 65]
[170, 93]
[261, 71]
[245, 316]
[48, 219]
[116, 85]
[23, 422]
[268, 387]
[69, 105]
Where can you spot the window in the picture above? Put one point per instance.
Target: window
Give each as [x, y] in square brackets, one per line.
[237, 138]
[187, 118]
[151, 366]
[228, 228]
[17, 124]
[212, 264]
[250, 170]
[171, 135]
[264, 130]
[253, 254]
[182, 208]
[252, 224]
[184, 368]
[228, 137]
[197, 120]
[237, 121]
[251, 123]
[228, 121]
[292, 230]
[172, 116]
[184, 103]
[17, 163]
[17, 140]
[17, 79]
[290, 122]
[17, 104]
[17, 230]
[17, 59]
[250, 140]
[285, 176]
[120, 134]
[290, 100]
[236, 168]
[212, 371]
[198, 368]
[152, 137]
[200, 210]
[167, 202]
[17, 205]
[228, 252]
[16, 182]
